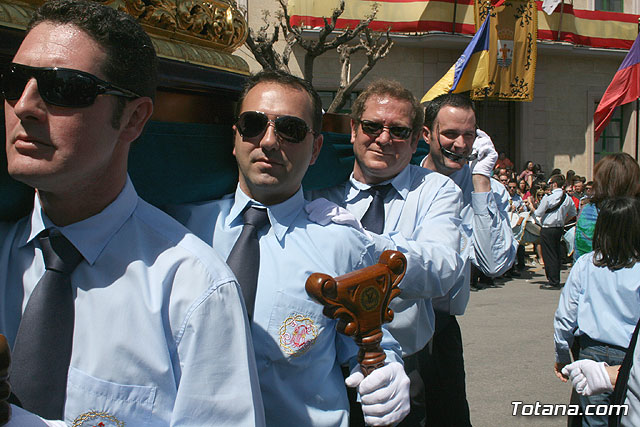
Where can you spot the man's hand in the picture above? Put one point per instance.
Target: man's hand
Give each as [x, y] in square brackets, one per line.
[5, 389]
[588, 377]
[557, 369]
[487, 155]
[324, 212]
[384, 394]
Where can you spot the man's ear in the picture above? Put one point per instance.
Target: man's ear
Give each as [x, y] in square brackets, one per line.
[317, 146]
[135, 115]
[426, 134]
[235, 130]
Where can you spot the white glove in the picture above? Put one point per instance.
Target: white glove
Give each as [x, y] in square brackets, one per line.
[22, 418]
[588, 377]
[487, 155]
[384, 394]
[324, 212]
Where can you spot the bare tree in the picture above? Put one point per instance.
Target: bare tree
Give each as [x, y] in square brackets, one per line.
[328, 38]
[262, 44]
[374, 48]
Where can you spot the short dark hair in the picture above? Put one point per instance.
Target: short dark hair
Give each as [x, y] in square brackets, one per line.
[616, 238]
[131, 60]
[558, 179]
[392, 89]
[512, 181]
[286, 79]
[615, 175]
[448, 99]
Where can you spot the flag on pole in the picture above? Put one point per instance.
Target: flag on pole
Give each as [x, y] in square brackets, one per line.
[550, 5]
[624, 88]
[470, 71]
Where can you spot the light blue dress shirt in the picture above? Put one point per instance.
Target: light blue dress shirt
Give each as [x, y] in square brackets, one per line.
[598, 302]
[160, 335]
[515, 202]
[422, 219]
[298, 351]
[558, 217]
[485, 222]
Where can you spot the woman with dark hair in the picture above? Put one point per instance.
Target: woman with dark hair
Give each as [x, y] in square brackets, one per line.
[523, 189]
[600, 303]
[616, 175]
[528, 173]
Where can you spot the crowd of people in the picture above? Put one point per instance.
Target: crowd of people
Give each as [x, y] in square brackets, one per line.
[598, 307]
[525, 192]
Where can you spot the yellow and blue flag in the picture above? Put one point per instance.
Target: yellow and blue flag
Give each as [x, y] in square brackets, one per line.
[470, 71]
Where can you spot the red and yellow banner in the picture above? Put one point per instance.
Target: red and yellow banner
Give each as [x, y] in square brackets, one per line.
[579, 27]
[512, 51]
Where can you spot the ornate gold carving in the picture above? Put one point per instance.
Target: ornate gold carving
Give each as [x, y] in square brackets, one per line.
[213, 23]
[15, 15]
[194, 31]
[200, 55]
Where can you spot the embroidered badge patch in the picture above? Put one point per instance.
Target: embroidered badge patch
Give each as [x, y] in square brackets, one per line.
[297, 334]
[97, 419]
[370, 298]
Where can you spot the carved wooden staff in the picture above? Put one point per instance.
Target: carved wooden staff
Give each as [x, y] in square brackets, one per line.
[360, 302]
[5, 390]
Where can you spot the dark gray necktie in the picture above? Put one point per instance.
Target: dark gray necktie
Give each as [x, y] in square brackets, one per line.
[42, 351]
[373, 219]
[244, 258]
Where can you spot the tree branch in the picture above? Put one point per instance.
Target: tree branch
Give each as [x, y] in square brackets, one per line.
[375, 50]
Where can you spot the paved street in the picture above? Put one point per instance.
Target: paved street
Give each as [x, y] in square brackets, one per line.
[508, 349]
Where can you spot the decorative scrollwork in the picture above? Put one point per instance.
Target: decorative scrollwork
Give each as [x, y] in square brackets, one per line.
[518, 90]
[215, 23]
[485, 7]
[530, 42]
[524, 14]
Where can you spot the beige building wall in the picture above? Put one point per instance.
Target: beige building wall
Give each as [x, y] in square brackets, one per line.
[555, 130]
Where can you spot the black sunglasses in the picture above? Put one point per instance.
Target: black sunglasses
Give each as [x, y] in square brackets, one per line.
[375, 128]
[290, 128]
[63, 87]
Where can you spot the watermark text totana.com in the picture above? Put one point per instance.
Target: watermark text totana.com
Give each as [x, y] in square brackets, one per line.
[554, 409]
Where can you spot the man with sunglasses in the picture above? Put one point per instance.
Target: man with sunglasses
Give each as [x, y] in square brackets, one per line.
[419, 212]
[272, 245]
[466, 155]
[115, 313]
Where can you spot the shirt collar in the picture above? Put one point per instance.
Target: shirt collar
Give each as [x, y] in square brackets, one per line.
[89, 236]
[401, 183]
[281, 215]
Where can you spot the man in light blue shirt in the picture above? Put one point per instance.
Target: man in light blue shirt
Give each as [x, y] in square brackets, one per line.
[421, 214]
[160, 336]
[450, 131]
[516, 204]
[555, 210]
[298, 351]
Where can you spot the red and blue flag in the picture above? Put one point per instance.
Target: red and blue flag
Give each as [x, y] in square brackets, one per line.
[624, 88]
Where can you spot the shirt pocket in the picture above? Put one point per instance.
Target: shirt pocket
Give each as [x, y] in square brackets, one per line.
[91, 401]
[296, 325]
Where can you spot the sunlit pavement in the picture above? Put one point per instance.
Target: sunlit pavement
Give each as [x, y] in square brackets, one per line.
[507, 333]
